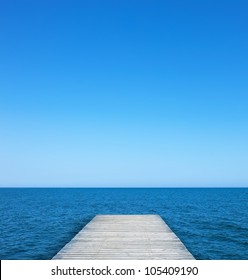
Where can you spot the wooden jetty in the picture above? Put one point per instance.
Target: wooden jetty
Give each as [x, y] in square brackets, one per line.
[125, 237]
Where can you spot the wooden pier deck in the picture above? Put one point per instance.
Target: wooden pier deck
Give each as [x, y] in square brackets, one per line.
[125, 237]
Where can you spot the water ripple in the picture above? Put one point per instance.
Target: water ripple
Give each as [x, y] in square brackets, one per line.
[37, 223]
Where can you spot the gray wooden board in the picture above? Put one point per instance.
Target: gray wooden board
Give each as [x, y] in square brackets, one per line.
[125, 237]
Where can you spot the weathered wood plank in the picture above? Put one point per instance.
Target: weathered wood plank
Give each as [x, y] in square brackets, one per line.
[125, 237]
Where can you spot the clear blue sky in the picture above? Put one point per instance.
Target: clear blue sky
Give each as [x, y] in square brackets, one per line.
[124, 93]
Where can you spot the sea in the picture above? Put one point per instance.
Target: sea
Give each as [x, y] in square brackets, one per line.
[36, 223]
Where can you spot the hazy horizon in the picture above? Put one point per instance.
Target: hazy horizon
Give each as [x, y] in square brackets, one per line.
[126, 93]
[125, 186]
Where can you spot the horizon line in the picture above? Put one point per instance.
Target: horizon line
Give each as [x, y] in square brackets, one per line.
[123, 186]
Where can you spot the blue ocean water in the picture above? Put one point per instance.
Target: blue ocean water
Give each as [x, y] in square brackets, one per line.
[37, 223]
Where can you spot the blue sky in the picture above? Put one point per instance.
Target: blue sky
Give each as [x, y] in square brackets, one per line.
[123, 93]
